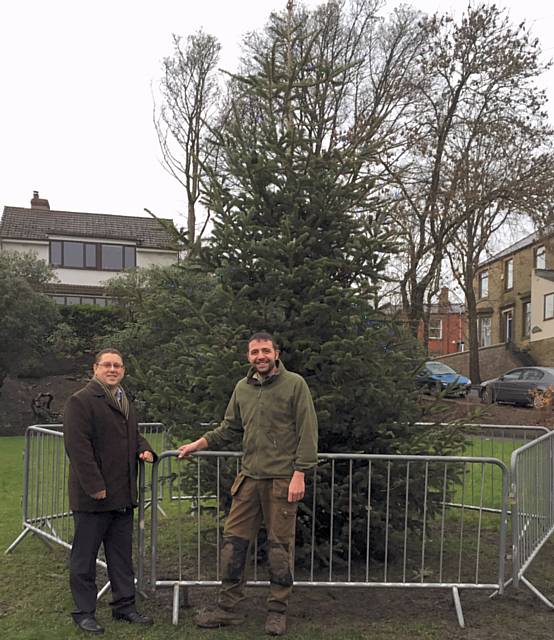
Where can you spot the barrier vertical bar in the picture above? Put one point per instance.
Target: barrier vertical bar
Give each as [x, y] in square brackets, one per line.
[141, 525]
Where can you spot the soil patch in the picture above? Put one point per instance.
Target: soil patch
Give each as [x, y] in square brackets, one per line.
[17, 394]
[390, 613]
[473, 410]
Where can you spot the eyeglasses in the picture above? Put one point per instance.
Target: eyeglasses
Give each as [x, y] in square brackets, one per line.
[109, 365]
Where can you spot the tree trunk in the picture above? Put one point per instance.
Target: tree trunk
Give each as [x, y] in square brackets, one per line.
[473, 339]
[191, 222]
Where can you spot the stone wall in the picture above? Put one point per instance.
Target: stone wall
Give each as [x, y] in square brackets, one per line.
[542, 352]
[493, 360]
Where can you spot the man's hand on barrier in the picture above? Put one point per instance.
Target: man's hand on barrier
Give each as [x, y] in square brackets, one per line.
[99, 495]
[296, 486]
[186, 449]
[146, 456]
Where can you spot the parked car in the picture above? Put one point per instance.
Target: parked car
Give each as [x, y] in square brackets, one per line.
[435, 377]
[525, 385]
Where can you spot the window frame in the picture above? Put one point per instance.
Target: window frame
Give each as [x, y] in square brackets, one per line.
[480, 331]
[68, 299]
[128, 255]
[550, 296]
[439, 320]
[508, 274]
[483, 276]
[508, 321]
[540, 252]
[526, 318]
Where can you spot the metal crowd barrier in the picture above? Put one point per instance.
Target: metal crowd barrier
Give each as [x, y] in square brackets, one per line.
[459, 497]
[45, 502]
[532, 496]
[495, 441]
[444, 549]
[46, 510]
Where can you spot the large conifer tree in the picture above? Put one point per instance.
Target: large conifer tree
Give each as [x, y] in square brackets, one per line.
[299, 243]
[298, 248]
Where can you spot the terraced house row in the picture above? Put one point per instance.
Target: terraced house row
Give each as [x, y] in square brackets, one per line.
[515, 293]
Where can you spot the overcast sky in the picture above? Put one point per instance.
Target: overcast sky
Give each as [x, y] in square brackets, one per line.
[76, 104]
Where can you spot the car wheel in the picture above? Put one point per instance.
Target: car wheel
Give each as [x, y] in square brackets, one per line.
[538, 400]
[487, 396]
[435, 389]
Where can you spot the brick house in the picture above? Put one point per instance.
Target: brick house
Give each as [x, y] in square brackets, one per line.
[85, 249]
[515, 298]
[447, 326]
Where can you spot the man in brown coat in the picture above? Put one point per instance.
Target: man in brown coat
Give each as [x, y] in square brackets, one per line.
[103, 444]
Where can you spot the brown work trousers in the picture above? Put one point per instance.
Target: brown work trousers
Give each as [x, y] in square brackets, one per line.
[255, 501]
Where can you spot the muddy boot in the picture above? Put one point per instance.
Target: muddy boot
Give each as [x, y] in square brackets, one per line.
[276, 623]
[213, 617]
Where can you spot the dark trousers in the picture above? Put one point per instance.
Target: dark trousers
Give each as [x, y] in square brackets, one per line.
[115, 530]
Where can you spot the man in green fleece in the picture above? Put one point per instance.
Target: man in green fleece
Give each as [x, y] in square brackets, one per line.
[273, 412]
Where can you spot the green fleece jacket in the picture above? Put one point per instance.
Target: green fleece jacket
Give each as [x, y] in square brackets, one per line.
[277, 422]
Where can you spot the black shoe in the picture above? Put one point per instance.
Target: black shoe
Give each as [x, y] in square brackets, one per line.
[134, 617]
[89, 625]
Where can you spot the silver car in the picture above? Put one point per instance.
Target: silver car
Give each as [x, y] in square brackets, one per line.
[525, 385]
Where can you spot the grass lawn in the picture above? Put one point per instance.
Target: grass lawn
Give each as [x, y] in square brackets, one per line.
[35, 600]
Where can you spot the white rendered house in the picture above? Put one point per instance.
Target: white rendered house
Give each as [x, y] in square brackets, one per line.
[85, 249]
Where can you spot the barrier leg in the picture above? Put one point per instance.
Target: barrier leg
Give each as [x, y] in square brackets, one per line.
[103, 590]
[176, 597]
[19, 538]
[539, 595]
[504, 587]
[458, 605]
[44, 540]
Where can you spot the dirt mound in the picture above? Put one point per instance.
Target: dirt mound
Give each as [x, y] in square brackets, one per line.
[472, 409]
[17, 394]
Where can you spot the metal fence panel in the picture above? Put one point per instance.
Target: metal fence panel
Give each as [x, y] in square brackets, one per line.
[372, 537]
[532, 496]
[45, 501]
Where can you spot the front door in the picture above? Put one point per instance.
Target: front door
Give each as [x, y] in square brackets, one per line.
[508, 325]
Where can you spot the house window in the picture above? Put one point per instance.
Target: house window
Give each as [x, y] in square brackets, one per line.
[484, 327]
[72, 255]
[90, 255]
[75, 299]
[435, 329]
[540, 257]
[526, 319]
[549, 306]
[483, 284]
[509, 274]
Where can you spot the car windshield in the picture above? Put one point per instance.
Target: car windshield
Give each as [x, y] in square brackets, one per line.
[438, 367]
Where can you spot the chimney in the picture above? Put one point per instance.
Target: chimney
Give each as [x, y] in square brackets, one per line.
[443, 297]
[39, 203]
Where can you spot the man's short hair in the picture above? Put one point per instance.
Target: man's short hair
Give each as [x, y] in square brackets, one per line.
[104, 351]
[263, 335]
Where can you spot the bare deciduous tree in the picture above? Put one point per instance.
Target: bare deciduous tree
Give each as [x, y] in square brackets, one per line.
[474, 97]
[189, 90]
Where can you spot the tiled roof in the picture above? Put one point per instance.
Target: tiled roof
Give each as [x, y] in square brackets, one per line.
[19, 223]
[435, 309]
[520, 244]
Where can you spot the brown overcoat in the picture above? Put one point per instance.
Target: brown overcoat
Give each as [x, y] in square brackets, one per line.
[103, 448]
